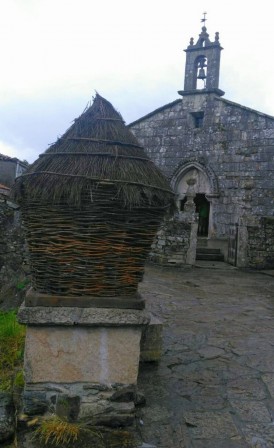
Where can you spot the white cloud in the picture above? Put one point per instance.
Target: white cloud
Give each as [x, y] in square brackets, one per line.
[56, 53]
[15, 151]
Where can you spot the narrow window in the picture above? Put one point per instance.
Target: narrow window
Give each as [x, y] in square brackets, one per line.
[198, 119]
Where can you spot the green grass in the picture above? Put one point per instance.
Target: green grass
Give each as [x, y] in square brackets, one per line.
[12, 338]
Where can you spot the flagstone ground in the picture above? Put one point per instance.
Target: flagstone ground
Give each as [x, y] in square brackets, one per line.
[214, 385]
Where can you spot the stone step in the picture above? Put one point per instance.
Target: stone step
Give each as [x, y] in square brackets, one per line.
[210, 257]
[207, 250]
[209, 254]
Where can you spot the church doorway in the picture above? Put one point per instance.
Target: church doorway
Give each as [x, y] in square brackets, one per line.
[203, 209]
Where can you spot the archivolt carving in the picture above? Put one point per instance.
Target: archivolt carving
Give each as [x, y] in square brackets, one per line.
[188, 165]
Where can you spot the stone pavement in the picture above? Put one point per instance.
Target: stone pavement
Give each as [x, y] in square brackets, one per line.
[214, 386]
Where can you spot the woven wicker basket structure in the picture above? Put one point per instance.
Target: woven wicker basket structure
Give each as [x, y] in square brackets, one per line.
[91, 205]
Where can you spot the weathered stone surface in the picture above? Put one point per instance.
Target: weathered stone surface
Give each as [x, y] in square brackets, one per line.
[68, 407]
[260, 249]
[250, 388]
[206, 425]
[259, 436]
[211, 352]
[227, 397]
[151, 341]
[175, 242]
[92, 317]
[268, 379]
[124, 394]
[79, 354]
[7, 417]
[13, 266]
[251, 411]
[107, 413]
[236, 442]
[35, 402]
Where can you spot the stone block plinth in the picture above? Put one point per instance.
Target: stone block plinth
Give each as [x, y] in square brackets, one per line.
[86, 356]
[68, 354]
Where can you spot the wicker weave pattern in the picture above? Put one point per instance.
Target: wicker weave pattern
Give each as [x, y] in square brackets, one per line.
[97, 250]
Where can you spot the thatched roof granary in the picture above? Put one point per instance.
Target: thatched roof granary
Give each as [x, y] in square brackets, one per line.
[91, 205]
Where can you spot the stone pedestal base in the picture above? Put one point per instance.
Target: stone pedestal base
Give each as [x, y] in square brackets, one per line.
[85, 358]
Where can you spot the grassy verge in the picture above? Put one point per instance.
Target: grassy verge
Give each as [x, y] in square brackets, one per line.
[12, 338]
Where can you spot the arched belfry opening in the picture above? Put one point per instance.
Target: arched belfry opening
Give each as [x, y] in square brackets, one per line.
[204, 187]
[202, 69]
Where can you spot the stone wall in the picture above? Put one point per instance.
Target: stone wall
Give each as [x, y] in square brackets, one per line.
[13, 266]
[234, 147]
[260, 248]
[173, 243]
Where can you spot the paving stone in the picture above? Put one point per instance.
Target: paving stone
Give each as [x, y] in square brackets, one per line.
[268, 379]
[263, 361]
[220, 443]
[224, 317]
[255, 411]
[211, 352]
[207, 425]
[259, 436]
[237, 369]
[248, 388]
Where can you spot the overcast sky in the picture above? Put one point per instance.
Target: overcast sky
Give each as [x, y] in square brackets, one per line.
[56, 53]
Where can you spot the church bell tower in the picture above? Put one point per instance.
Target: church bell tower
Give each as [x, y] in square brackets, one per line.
[202, 68]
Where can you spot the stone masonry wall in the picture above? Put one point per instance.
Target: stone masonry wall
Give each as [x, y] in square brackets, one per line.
[260, 249]
[236, 143]
[13, 267]
[171, 243]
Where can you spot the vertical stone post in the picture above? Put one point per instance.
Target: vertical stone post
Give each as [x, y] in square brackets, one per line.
[191, 216]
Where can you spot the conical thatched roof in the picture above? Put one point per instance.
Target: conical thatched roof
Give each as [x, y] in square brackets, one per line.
[97, 149]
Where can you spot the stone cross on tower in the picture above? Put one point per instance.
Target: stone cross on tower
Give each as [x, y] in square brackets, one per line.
[203, 63]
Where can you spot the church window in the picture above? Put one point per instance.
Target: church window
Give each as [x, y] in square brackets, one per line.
[198, 119]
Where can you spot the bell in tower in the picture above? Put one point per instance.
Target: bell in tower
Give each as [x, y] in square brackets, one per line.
[201, 74]
[202, 64]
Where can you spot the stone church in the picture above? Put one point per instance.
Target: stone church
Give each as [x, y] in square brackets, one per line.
[221, 154]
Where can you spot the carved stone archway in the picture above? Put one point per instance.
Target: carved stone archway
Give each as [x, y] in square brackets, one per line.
[205, 183]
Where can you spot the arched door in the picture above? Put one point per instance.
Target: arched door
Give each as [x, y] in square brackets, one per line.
[206, 193]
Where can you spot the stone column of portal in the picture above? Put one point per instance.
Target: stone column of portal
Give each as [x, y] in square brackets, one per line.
[191, 216]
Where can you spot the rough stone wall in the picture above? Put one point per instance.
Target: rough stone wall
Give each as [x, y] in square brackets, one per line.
[171, 243]
[260, 249]
[7, 172]
[235, 143]
[13, 266]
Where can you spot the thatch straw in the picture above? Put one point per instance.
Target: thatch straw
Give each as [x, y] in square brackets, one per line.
[97, 149]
